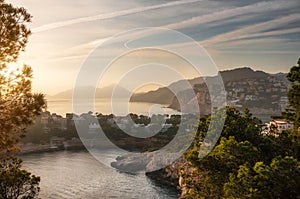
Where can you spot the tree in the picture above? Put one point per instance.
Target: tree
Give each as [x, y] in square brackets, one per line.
[18, 105]
[294, 95]
[13, 31]
[16, 182]
[244, 163]
[18, 108]
[279, 179]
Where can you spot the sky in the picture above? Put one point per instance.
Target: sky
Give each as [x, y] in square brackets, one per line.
[261, 34]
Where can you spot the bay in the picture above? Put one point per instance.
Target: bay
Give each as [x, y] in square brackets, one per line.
[69, 174]
[104, 106]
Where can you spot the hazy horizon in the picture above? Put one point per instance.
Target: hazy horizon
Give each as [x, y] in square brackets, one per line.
[142, 89]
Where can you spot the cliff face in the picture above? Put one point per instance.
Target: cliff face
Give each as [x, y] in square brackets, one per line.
[189, 102]
[179, 174]
[188, 178]
[169, 175]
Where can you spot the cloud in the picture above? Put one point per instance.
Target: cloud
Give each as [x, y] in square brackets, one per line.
[108, 15]
[247, 31]
[237, 13]
[219, 15]
[254, 41]
[233, 36]
[76, 52]
[273, 33]
[261, 52]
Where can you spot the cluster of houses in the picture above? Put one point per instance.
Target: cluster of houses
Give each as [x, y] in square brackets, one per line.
[262, 95]
[270, 90]
[126, 123]
[90, 122]
[57, 122]
[54, 121]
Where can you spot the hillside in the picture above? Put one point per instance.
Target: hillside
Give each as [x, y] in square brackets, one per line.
[262, 92]
[164, 95]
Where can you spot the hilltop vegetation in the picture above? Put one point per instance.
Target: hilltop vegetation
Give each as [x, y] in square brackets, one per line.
[246, 163]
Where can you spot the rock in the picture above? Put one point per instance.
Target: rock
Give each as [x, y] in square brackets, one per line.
[168, 175]
[134, 163]
[153, 164]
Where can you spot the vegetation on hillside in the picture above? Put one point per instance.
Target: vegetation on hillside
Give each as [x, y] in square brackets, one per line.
[246, 163]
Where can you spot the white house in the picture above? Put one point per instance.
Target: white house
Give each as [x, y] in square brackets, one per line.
[279, 125]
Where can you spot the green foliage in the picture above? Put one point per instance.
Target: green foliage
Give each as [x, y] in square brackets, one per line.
[244, 163]
[293, 113]
[294, 74]
[279, 179]
[174, 120]
[13, 32]
[18, 105]
[15, 182]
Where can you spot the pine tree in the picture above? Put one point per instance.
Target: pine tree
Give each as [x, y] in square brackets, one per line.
[18, 105]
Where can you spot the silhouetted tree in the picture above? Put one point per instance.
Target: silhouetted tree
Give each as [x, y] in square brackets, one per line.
[16, 182]
[293, 113]
[18, 105]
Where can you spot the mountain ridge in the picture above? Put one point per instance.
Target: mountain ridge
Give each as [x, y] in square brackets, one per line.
[165, 96]
[104, 92]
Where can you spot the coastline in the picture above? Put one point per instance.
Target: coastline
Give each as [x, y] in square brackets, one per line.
[30, 148]
[166, 177]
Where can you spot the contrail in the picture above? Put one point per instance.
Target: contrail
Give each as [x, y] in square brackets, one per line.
[108, 15]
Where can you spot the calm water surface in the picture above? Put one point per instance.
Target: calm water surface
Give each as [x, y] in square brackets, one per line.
[69, 174]
[104, 106]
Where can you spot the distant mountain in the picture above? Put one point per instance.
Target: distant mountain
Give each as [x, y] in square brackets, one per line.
[105, 92]
[161, 96]
[165, 95]
[242, 73]
[281, 76]
[112, 91]
[245, 87]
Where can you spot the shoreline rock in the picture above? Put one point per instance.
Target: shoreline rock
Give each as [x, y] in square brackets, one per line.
[30, 148]
[169, 175]
[148, 163]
